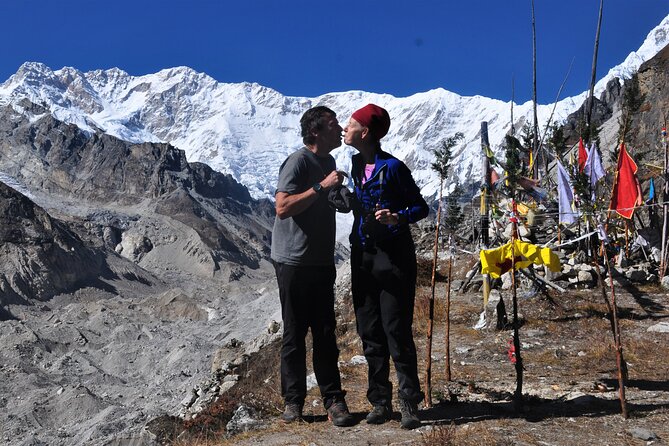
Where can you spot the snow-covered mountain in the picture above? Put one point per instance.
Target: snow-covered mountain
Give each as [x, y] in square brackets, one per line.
[247, 130]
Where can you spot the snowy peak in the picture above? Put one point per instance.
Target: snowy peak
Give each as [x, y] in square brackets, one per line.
[246, 129]
[657, 39]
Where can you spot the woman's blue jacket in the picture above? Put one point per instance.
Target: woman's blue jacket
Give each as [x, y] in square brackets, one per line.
[391, 186]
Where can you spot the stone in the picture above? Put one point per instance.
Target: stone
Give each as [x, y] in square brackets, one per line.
[636, 275]
[642, 434]
[227, 385]
[494, 314]
[523, 232]
[585, 277]
[358, 360]
[456, 284]
[135, 246]
[665, 282]
[311, 381]
[273, 327]
[662, 327]
[506, 281]
[243, 420]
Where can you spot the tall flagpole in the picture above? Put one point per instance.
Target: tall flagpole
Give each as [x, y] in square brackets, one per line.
[665, 197]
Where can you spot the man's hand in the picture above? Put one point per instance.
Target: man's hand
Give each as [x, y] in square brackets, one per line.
[334, 179]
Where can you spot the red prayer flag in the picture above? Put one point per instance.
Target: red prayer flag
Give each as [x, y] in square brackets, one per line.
[582, 155]
[626, 188]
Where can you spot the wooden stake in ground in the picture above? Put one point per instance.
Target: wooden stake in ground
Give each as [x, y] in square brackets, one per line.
[485, 190]
[518, 394]
[627, 239]
[430, 321]
[447, 357]
[665, 197]
[620, 361]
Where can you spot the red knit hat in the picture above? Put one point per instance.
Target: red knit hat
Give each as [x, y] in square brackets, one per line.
[375, 118]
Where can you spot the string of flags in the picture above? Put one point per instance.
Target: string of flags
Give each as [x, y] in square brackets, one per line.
[626, 193]
[625, 197]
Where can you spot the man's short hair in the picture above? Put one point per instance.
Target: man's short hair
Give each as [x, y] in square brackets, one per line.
[313, 120]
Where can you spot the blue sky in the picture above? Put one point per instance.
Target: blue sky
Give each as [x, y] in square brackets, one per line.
[307, 48]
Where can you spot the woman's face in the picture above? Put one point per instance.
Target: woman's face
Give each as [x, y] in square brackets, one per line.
[353, 133]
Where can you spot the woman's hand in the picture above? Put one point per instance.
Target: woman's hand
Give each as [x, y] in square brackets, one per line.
[385, 217]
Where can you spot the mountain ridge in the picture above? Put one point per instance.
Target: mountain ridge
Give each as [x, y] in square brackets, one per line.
[246, 129]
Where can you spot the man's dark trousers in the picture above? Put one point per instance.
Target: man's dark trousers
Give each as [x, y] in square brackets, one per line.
[307, 302]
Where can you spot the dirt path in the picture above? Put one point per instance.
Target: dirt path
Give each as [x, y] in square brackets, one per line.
[570, 383]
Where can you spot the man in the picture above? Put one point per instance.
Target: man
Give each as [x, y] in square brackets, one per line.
[303, 241]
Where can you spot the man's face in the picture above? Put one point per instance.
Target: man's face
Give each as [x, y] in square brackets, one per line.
[331, 133]
[353, 133]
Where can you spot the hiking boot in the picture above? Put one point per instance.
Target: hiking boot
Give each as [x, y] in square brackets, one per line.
[339, 415]
[379, 414]
[409, 413]
[292, 413]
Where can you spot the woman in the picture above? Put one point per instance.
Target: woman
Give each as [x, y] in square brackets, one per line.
[383, 265]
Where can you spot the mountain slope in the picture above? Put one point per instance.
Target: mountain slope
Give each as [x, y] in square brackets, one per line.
[41, 256]
[154, 206]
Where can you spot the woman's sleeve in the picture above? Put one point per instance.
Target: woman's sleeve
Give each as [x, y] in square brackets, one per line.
[415, 206]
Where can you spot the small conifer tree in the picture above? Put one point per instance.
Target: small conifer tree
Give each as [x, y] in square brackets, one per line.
[442, 163]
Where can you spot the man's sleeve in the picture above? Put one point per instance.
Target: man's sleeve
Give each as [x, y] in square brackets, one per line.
[291, 176]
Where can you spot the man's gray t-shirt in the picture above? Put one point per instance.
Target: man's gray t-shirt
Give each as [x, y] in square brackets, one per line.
[306, 239]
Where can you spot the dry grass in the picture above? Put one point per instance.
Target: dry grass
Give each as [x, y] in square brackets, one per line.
[468, 435]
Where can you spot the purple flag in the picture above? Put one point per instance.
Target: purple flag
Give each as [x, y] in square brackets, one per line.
[593, 168]
[565, 196]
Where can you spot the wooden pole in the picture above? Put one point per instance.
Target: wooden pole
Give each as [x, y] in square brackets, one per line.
[620, 361]
[513, 96]
[518, 395]
[535, 141]
[448, 311]
[665, 197]
[593, 75]
[430, 321]
[485, 237]
[627, 239]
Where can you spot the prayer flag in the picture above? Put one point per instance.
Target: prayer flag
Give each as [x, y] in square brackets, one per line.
[565, 196]
[625, 195]
[582, 155]
[593, 168]
[651, 191]
[498, 261]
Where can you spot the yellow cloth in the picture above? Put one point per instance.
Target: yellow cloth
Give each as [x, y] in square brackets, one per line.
[498, 261]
